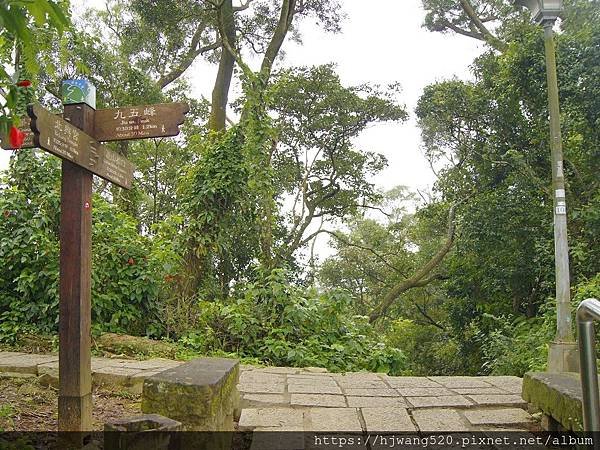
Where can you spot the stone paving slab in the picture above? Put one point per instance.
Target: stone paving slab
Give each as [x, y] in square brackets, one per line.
[278, 370]
[262, 388]
[125, 373]
[315, 370]
[359, 402]
[361, 383]
[371, 392]
[50, 369]
[505, 400]
[481, 391]
[315, 388]
[284, 419]
[310, 376]
[434, 420]
[461, 382]
[311, 381]
[387, 419]
[371, 399]
[440, 402]
[261, 377]
[504, 416]
[323, 400]
[24, 362]
[333, 419]
[150, 364]
[263, 400]
[424, 392]
[416, 382]
[357, 376]
[511, 384]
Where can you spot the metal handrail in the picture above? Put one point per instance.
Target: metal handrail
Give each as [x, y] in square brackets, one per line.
[588, 311]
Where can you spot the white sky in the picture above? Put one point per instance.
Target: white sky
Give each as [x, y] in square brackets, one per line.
[380, 44]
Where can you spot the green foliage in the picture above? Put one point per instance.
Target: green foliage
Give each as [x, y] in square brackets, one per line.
[221, 235]
[428, 349]
[124, 283]
[29, 206]
[518, 345]
[21, 23]
[124, 288]
[316, 160]
[282, 324]
[587, 289]
[494, 132]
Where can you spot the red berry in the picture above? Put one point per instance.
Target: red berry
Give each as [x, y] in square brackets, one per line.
[24, 83]
[16, 137]
[130, 261]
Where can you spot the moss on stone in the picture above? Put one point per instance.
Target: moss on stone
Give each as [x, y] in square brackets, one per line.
[558, 395]
[200, 394]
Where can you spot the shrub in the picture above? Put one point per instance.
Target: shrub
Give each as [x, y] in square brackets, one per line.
[282, 324]
[429, 350]
[124, 284]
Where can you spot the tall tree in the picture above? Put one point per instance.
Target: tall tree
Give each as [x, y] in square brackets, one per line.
[317, 164]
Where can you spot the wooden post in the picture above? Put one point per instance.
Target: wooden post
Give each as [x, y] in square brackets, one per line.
[75, 385]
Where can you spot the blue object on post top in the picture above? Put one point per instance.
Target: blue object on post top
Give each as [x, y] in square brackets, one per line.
[78, 91]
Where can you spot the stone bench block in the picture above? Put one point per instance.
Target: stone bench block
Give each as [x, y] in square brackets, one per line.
[148, 431]
[558, 395]
[201, 394]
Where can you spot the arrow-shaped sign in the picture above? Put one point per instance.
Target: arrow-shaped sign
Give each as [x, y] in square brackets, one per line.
[59, 137]
[139, 122]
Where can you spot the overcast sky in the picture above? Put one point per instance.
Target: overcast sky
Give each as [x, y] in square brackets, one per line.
[380, 44]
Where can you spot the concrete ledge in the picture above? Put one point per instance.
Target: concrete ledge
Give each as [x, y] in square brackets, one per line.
[201, 394]
[558, 395]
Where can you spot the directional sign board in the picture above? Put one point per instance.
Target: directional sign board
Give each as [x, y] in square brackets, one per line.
[138, 122]
[24, 126]
[59, 137]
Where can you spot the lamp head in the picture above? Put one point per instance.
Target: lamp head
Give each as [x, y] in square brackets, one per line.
[542, 11]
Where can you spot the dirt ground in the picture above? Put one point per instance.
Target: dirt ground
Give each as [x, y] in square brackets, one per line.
[25, 405]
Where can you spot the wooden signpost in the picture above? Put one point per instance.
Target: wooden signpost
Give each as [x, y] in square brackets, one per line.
[75, 139]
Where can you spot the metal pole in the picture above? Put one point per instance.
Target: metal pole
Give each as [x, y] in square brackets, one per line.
[564, 331]
[587, 311]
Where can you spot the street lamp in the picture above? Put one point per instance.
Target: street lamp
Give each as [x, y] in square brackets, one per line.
[562, 355]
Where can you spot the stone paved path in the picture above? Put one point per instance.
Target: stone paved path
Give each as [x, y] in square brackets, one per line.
[289, 399]
[311, 399]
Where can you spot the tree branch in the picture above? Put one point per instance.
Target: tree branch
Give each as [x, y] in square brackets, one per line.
[428, 317]
[288, 9]
[418, 278]
[187, 60]
[476, 21]
[362, 247]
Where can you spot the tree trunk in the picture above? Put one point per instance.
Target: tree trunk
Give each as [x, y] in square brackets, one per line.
[220, 93]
